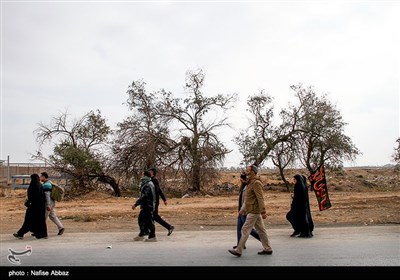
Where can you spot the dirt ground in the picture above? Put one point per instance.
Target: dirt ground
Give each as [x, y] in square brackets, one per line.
[358, 197]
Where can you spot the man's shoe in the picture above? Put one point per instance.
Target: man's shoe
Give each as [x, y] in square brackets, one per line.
[138, 238]
[61, 231]
[263, 252]
[153, 239]
[234, 247]
[18, 236]
[233, 252]
[170, 230]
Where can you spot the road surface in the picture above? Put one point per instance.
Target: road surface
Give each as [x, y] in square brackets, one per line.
[365, 246]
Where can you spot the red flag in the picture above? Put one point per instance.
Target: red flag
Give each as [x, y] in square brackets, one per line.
[318, 184]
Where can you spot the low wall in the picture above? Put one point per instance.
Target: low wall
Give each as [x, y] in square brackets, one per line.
[22, 181]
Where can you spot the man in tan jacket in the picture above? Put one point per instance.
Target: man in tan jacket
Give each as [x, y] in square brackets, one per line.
[254, 207]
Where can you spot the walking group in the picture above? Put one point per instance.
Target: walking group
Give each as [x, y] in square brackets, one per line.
[149, 200]
[39, 207]
[250, 219]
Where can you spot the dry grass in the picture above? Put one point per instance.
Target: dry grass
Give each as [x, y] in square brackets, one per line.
[358, 197]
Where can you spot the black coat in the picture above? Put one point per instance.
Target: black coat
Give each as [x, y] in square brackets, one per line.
[35, 215]
[158, 192]
[147, 195]
[300, 214]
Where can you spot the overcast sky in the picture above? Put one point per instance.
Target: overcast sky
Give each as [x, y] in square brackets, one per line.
[82, 56]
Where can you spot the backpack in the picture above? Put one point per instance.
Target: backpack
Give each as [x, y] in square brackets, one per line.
[57, 192]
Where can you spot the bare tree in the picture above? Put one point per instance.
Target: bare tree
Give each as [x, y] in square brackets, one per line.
[145, 139]
[311, 131]
[200, 149]
[142, 140]
[396, 154]
[79, 148]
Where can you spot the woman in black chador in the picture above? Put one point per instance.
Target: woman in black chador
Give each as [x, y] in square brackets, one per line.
[300, 214]
[35, 215]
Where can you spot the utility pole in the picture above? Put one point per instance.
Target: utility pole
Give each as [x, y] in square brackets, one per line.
[8, 169]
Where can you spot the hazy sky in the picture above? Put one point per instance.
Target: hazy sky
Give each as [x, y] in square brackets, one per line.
[82, 56]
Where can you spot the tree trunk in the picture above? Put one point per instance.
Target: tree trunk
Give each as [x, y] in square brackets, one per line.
[111, 181]
[196, 177]
[281, 169]
[196, 167]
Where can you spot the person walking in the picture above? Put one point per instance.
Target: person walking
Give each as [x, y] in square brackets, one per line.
[146, 201]
[50, 203]
[308, 209]
[241, 219]
[299, 214]
[35, 215]
[255, 210]
[159, 194]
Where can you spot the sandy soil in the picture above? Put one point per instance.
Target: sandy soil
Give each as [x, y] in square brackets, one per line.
[100, 212]
[359, 197]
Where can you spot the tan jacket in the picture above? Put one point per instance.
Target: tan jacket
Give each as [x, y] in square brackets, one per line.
[254, 200]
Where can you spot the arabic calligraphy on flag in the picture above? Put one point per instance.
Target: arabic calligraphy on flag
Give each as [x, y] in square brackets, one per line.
[318, 184]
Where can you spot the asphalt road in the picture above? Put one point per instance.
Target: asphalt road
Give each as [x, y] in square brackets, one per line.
[366, 246]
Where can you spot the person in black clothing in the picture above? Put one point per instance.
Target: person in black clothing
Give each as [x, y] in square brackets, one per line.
[146, 201]
[310, 222]
[35, 215]
[159, 194]
[300, 214]
[241, 219]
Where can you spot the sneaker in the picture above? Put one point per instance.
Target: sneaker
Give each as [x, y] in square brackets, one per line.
[138, 238]
[61, 231]
[153, 239]
[17, 236]
[171, 230]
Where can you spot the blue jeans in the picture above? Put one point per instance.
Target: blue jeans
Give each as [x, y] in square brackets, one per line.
[240, 223]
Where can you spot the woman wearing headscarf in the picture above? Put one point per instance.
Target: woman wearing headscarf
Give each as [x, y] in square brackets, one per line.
[300, 214]
[35, 215]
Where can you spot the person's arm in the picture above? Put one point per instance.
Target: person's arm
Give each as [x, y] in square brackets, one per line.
[260, 198]
[48, 199]
[140, 200]
[163, 197]
[298, 196]
[242, 210]
[159, 190]
[30, 194]
[47, 194]
[144, 194]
